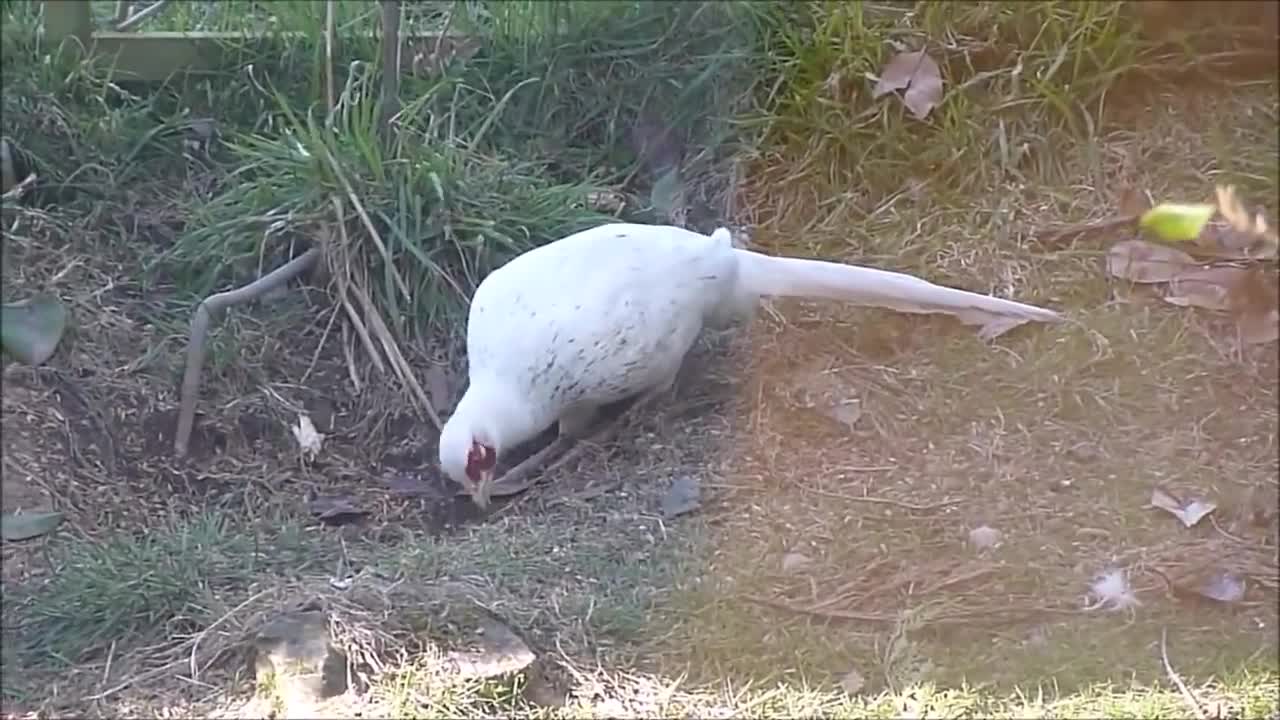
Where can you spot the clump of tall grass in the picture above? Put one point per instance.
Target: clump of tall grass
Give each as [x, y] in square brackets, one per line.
[493, 155]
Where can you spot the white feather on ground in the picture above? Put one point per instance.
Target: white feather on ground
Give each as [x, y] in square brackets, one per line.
[610, 312]
[1111, 591]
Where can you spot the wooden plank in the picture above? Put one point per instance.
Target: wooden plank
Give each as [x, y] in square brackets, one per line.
[67, 19]
[155, 56]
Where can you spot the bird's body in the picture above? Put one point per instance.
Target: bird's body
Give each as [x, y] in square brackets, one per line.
[611, 312]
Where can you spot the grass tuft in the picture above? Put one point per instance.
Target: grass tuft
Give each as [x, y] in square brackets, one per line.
[139, 588]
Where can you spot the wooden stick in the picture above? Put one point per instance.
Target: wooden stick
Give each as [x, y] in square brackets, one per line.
[200, 329]
[135, 20]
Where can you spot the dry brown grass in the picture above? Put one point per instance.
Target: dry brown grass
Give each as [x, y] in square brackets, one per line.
[1055, 436]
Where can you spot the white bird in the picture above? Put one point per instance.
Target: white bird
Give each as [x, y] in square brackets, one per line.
[610, 312]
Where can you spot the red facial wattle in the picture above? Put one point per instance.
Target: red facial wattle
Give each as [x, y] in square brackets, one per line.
[480, 459]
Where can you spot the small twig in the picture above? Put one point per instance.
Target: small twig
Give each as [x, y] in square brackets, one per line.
[962, 615]
[379, 328]
[883, 501]
[200, 328]
[134, 20]
[1230, 536]
[838, 614]
[111, 655]
[195, 641]
[351, 361]
[1063, 234]
[398, 362]
[20, 189]
[1187, 695]
[157, 672]
[315, 356]
[344, 298]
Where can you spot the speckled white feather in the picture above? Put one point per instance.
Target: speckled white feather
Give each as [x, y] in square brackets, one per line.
[609, 312]
[1111, 591]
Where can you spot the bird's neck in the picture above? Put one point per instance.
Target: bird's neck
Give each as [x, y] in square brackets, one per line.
[508, 416]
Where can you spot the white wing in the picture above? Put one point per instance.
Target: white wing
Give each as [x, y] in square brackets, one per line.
[598, 315]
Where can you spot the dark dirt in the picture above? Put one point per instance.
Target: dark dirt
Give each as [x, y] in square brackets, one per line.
[114, 434]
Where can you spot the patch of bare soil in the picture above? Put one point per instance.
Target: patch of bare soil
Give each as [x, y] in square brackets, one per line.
[91, 434]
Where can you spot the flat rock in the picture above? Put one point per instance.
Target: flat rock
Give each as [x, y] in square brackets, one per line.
[492, 650]
[294, 657]
[684, 496]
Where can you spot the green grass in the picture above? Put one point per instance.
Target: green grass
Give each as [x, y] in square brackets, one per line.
[168, 582]
[1044, 102]
[185, 575]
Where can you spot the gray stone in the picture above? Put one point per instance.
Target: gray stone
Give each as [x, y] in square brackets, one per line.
[492, 650]
[294, 655]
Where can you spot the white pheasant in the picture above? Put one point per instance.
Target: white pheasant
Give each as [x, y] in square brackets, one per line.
[610, 312]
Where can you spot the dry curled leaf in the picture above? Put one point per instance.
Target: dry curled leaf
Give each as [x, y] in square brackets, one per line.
[1224, 587]
[1245, 235]
[1206, 584]
[1189, 512]
[405, 483]
[919, 75]
[1204, 287]
[336, 509]
[1143, 262]
[1221, 241]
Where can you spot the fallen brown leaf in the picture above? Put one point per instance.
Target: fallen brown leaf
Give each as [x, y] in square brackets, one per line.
[1143, 262]
[1223, 587]
[1190, 513]
[1207, 584]
[336, 509]
[919, 75]
[1251, 236]
[1204, 287]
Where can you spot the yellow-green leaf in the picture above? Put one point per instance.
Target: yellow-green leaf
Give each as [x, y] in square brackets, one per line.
[1177, 222]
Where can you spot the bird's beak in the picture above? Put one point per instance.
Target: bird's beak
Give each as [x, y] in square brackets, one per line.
[480, 492]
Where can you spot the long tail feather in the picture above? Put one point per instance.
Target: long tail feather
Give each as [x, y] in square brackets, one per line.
[798, 277]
